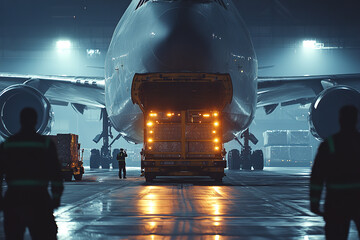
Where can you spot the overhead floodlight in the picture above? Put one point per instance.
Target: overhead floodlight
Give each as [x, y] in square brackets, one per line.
[63, 44]
[312, 44]
[93, 52]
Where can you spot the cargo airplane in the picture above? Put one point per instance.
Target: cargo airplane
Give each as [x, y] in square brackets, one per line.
[178, 36]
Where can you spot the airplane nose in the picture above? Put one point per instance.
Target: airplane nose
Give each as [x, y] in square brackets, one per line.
[186, 46]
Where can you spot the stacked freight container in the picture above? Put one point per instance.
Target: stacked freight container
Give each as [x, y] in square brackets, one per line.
[287, 148]
[67, 147]
[68, 150]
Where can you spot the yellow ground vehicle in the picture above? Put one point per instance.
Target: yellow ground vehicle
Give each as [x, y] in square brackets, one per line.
[182, 123]
[68, 150]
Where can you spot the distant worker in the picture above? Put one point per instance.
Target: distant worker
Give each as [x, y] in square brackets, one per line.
[29, 162]
[337, 165]
[121, 159]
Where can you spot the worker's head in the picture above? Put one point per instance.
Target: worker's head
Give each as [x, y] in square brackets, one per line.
[28, 118]
[121, 149]
[348, 117]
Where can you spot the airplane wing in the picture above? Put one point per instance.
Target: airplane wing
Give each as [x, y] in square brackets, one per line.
[273, 91]
[81, 92]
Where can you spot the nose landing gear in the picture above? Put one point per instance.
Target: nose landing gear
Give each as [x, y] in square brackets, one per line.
[103, 157]
[246, 159]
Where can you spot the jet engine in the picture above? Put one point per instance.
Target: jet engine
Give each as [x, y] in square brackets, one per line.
[15, 98]
[324, 111]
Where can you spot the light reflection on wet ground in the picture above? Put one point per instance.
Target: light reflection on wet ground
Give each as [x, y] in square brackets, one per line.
[272, 204]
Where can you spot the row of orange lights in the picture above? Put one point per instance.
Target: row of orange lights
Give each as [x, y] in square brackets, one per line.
[216, 140]
[150, 124]
[152, 114]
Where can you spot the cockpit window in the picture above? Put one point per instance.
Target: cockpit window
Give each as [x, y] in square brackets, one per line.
[221, 2]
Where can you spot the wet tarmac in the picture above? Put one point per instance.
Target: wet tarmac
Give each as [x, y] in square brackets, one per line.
[271, 204]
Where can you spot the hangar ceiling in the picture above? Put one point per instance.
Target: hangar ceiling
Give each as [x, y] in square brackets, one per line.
[278, 23]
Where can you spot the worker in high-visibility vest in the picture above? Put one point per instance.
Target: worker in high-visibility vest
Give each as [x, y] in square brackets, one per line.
[122, 165]
[337, 166]
[29, 163]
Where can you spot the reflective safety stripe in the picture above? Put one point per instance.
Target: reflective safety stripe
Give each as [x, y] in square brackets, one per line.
[26, 144]
[343, 186]
[316, 187]
[331, 144]
[27, 182]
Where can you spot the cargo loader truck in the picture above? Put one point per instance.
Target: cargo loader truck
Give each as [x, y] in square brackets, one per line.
[183, 123]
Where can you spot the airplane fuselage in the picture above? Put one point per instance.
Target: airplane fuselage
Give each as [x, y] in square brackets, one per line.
[180, 36]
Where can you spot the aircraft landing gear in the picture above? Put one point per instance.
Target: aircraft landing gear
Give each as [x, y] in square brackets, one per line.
[247, 158]
[94, 159]
[104, 158]
[257, 159]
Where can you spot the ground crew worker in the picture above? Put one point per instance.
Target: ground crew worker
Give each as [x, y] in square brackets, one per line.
[29, 162]
[121, 159]
[337, 165]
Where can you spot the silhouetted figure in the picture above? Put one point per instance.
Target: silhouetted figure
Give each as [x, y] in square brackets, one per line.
[121, 159]
[29, 162]
[337, 165]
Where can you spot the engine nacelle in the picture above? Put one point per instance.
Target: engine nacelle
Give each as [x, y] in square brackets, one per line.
[15, 98]
[324, 111]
